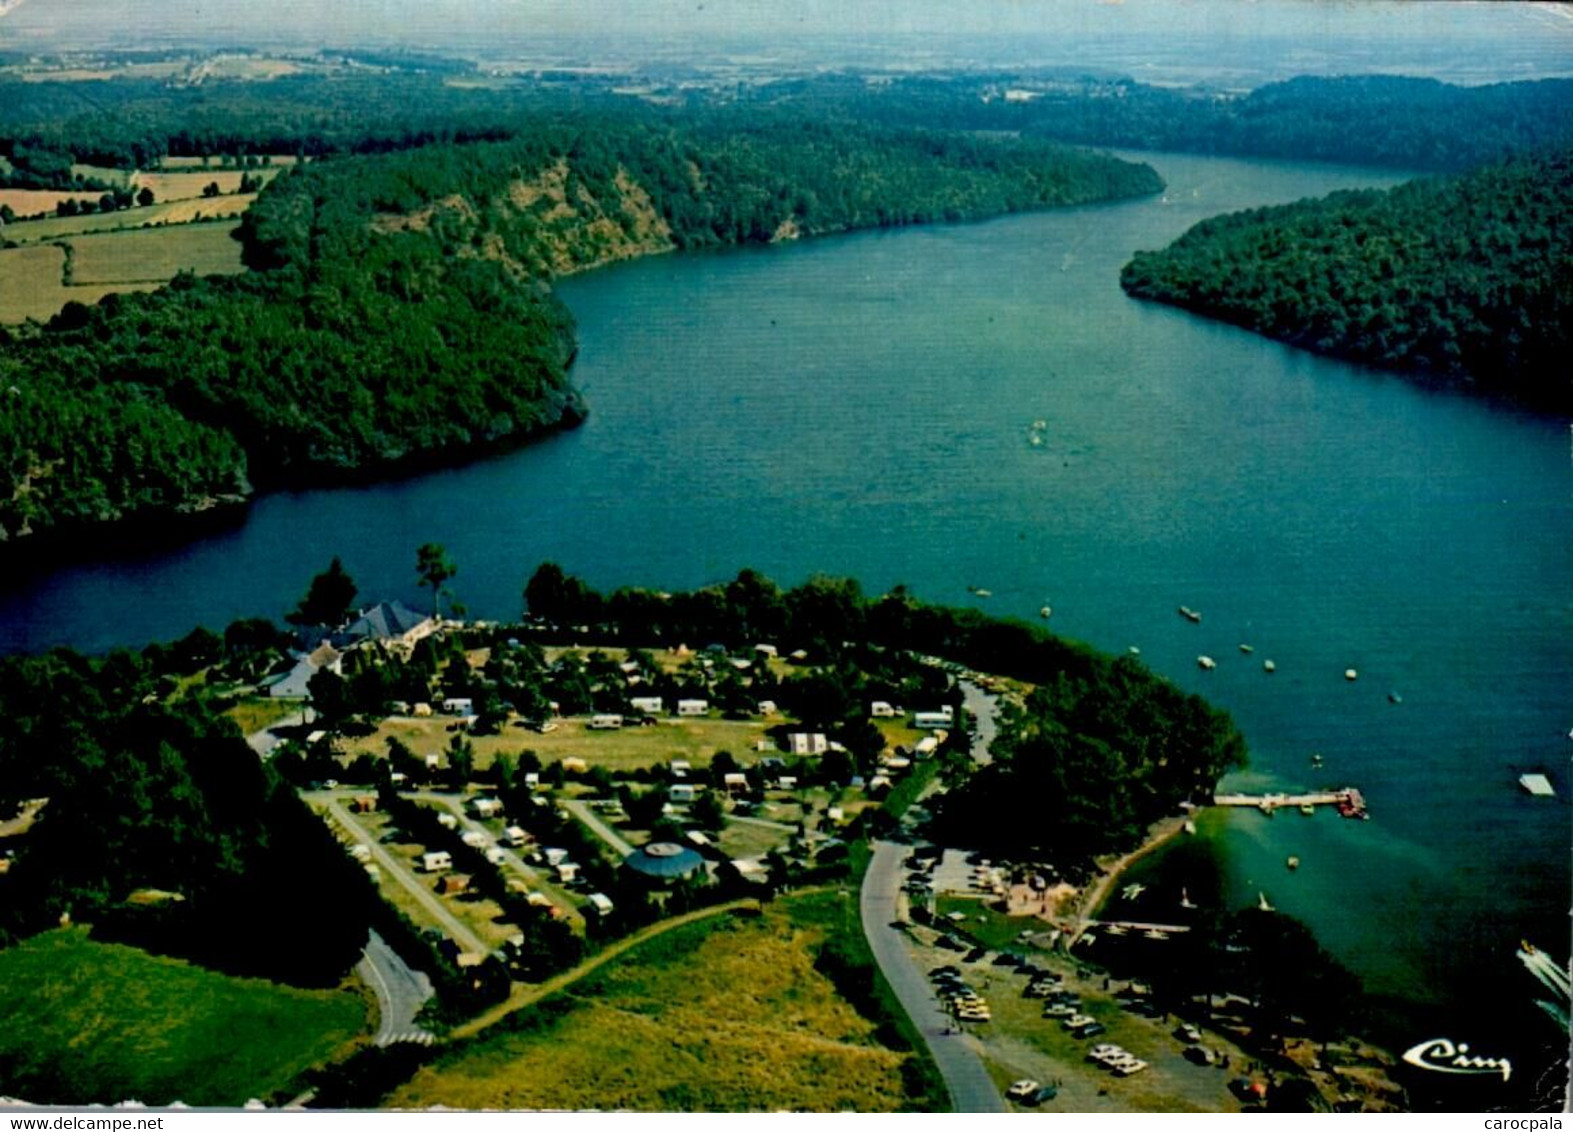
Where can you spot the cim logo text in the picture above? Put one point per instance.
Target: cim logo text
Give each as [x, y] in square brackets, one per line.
[1441, 1056]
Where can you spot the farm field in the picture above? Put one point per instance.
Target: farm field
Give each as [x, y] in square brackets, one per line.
[696, 740]
[276, 161]
[154, 216]
[155, 255]
[103, 173]
[36, 202]
[88, 1021]
[720, 1015]
[188, 184]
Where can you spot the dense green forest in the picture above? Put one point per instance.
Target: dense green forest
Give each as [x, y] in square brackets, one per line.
[1465, 280]
[1391, 121]
[400, 310]
[162, 828]
[1400, 122]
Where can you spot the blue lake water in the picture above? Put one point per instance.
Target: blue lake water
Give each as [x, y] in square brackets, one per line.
[861, 406]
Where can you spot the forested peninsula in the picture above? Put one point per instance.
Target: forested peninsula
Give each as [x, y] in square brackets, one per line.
[399, 310]
[1462, 281]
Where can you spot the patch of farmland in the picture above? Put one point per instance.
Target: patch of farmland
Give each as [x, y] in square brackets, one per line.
[102, 173]
[189, 184]
[30, 284]
[158, 215]
[39, 202]
[155, 254]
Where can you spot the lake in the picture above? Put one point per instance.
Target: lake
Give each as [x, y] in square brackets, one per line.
[863, 405]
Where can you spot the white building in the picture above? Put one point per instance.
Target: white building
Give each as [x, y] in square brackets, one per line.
[693, 707]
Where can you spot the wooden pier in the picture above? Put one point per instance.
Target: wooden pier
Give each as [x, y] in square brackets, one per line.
[1348, 801]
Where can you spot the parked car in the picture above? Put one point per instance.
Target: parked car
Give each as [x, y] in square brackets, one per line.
[1059, 1010]
[1187, 1033]
[1046, 1093]
[1022, 1089]
[1086, 1029]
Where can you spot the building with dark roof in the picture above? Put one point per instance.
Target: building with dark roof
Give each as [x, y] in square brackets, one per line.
[387, 621]
[664, 860]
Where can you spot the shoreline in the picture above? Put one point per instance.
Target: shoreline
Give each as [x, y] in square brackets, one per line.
[1158, 835]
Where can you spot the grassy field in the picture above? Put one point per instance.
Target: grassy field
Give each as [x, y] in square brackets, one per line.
[721, 1015]
[256, 712]
[988, 927]
[154, 216]
[102, 173]
[696, 740]
[156, 254]
[30, 282]
[95, 1022]
[30, 277]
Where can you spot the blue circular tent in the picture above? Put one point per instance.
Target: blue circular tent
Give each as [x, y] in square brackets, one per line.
[664, 860]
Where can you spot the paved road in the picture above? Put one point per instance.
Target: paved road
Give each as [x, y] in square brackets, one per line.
[957, 1056]
[982, 706]
[401, 991]
[596, 826]
[399, 871]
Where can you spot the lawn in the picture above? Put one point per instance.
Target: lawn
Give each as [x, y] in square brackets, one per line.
[990, 928]
[156, 254]
[96, 1022]
[257, 712]
[696, 740]
[727, 1014]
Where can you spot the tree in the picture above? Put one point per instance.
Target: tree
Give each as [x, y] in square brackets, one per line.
[329, 599]
[145, 197]
[211, 189]
[6, 215]
[435, 568]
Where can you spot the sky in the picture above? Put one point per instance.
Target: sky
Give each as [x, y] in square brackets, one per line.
[1544, 30]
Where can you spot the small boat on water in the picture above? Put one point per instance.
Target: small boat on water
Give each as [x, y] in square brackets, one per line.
[1269, 666]
[1190, 614]
[1351, 674]
[1307, 809]
[1261, 902]
[1134, 651]
[1316, 760]
[1292, 863]
[1206, 662]
[979, 591]
[1394, 698]
[1537, 784]
[1045, 612]
[1247, 649]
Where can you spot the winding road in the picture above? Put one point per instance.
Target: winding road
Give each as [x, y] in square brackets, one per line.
[956, 1054]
